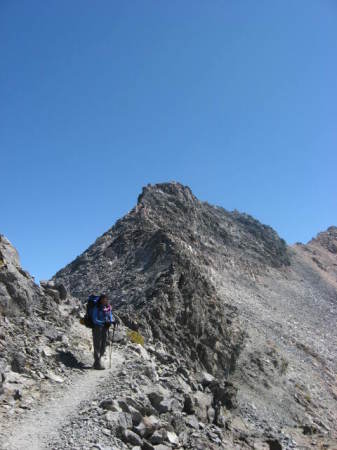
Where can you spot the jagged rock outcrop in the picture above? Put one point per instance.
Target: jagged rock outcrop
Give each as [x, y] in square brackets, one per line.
[18, 291]
[33, 328]
[224, 293]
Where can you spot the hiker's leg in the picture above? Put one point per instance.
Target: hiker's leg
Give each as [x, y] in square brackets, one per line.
[104, 337]
[96, 338]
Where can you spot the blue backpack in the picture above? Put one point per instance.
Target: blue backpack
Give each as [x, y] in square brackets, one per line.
[91, 304]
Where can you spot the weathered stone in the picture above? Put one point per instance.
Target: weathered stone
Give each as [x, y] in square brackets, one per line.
[47, 351]
[156, 395]
[226, 395]
[138, 405]
[192, 422]
[2, 376]
[206, 379]
[211, 414]
[53, 377]
[18, 363]
[147, 445]
[172, 438]
[202, 402]
[168, 404]
[189, 404]
[118, 421]
[123, 405]
[162, 447]
[158, 436]
[132, 438]
[136, 416]
[110, 404]
[147, 426]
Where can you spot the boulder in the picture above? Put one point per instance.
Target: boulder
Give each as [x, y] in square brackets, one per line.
[156, 394]
[192, 422]
[202, 402]
[53, 377]
[168, 404]
[110, 404]
[158, 436]
[132, 438]
[211, 414]
[206, 379]
[226, 395]
[136, 416]
[18, 363]
[62, 290]
[118, 422]
[147, 426]
[188, 404]
[172, 438]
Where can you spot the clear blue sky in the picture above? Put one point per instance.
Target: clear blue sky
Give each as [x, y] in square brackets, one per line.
[237, 99]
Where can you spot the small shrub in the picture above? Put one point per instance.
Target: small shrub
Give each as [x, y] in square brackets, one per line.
[135, 337]
[308, 398]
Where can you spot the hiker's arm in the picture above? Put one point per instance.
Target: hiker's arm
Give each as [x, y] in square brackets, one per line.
[95, 318]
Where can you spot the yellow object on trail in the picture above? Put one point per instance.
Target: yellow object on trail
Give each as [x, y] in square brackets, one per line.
[135, 337]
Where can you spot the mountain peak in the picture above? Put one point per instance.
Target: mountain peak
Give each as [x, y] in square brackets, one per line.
[171, 189]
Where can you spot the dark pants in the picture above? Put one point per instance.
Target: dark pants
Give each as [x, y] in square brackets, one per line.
[99, 337]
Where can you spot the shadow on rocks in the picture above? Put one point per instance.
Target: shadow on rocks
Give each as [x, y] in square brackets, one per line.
[69, 360]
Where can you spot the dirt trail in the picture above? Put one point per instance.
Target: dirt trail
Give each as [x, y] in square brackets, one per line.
[41, 426]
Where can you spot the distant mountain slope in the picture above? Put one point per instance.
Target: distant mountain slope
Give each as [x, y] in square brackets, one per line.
[225, 293]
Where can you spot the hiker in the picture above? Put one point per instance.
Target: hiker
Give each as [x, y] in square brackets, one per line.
[101, 319]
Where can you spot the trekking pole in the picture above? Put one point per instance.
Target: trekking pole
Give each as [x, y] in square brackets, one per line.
[111, 341]
[110, 350]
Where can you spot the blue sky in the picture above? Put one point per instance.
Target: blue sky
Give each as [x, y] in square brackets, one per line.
[237, 99]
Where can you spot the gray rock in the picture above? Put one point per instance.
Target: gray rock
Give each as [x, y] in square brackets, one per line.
[206, 379]
[157, 394]
[158, 436]
[136, 415]
[162, 447]
[201, 403]
[18, 363]
[147, 426]
[192, 422]
[132, 438]
[211, 414]
[118, 422]
[172, 438]
[110, 404]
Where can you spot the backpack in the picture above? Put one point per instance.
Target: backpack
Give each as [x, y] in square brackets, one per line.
[91, 303]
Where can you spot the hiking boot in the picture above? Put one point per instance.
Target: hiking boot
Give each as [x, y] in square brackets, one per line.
[98, 365]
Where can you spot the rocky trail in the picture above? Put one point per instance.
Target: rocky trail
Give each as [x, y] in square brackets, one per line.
[40, 427]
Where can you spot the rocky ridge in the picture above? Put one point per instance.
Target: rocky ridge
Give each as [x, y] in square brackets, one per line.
[33, 339]
[223, 293]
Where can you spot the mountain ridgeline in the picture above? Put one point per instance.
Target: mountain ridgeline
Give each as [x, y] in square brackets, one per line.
[156, 265]
[223, 293]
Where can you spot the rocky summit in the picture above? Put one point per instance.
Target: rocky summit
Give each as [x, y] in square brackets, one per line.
[228, 337]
